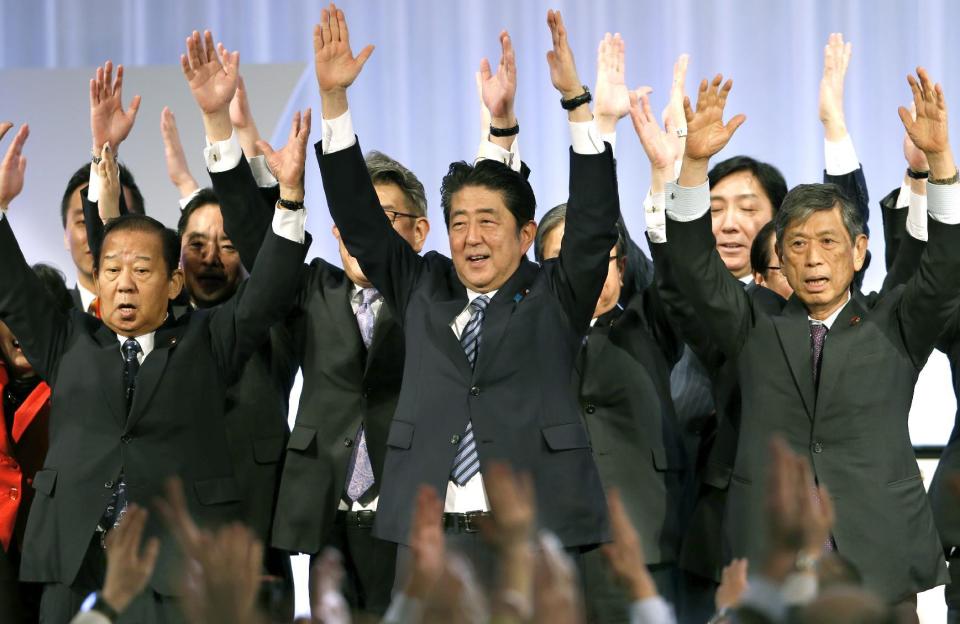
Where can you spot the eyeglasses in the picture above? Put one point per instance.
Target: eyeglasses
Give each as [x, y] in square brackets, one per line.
[393, 214]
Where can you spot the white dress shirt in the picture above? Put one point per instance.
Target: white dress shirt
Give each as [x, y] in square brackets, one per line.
[86, 296]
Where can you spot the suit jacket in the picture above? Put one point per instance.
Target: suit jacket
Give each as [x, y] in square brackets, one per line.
[623, 379]
[345, 384]
[518, 396]
[175, 425]
[854, 426]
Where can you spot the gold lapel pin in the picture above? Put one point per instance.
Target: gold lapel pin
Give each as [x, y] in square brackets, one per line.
[855, 320]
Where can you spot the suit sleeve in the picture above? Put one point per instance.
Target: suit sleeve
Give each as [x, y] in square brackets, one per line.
[28, 310]
[698, 274]
[593, 207]
[94, 224]
[930, 298]
[387, 260]
[902, 252]
[246, 212]
[242, 324]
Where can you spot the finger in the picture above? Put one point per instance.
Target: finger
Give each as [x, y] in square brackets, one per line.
[265, 147]
[826, 505]
[485, 72]
[294, 128]
[148, 559]
[647, 112]
[680, 70]
[618, 52]
[724, 92]
[317, 37]
[108, 76]
[209, 50]
[701, 96]
[335, 24]
[118, 83]
[184, 65]
[906, 118]
[20, 139]
[687, 110]
[98, 84]
[305, 124]
[193, 50]
[325, 26]
[365, 54]
[4, 128]
[917, 94]
[134, 107]
[925, 83]
[940, 99]
[137, 517]
[94, 99]
[554, 30]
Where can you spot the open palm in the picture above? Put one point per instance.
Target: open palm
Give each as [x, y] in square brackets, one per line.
[335, 64]
[706, 132]
[212, 73]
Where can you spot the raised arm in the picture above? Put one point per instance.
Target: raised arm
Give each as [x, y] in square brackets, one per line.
[696, 270]
[929, 299]
[176, 160]
[385, 257]
[25, 305]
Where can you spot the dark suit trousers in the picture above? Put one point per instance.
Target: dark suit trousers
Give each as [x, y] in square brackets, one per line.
[951, 592]
[369, 564]
[19, 602]
[61, 602]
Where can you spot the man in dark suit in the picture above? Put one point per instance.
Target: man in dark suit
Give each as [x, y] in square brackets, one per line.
[622, 377]
[490, 337]
[137, 397]
[808, 362]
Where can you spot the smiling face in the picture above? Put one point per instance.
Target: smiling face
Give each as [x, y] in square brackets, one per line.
[739, 207]
[13, 357]
[484, 241]
[211, 265]
[134, 283]
[819, 260]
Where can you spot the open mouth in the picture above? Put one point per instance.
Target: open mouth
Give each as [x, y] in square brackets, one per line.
[816, 284]
[730, 246]
[477, 259]
[211, 281]
[127, 310]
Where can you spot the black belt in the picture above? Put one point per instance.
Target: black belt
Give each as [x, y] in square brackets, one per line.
[359, 519]
[464, 522]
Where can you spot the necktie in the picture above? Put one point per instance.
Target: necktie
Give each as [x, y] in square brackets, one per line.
[118, 498]
[818, 333]
[467, 462]
[359, 469]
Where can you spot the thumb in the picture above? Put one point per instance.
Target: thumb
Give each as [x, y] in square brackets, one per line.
[134, 107]
[735, 123]
[264, 147]
[484, 69]
[364, 55]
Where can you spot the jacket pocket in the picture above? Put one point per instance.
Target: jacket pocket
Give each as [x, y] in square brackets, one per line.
[301, 438]
[45, 480]
[219, 490]
[661, 462]
[566, 437]
[268, 450]
[401, 434]
[899, 482]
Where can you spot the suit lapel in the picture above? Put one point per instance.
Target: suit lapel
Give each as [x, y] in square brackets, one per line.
[841, 336]
[383, 327]
[341, 312]
[440, 316]
[500, 311]
[151, 371]
[793, 330]
[108, 362]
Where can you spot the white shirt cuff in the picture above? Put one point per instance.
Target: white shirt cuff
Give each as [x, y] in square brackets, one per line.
[654, 207]
[651, 611]
[799, 588]
[186, 200]
[943, 202]
[489, 150]
[585, 138]
[764, 596]
[338, 133]
[903, 199]
[223, 155]
[917, 216]
[687, 204]
[610, 138]
[290, 224]
[261, 172]
[840, 156]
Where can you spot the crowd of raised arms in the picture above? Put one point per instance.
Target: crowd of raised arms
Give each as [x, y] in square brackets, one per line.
[716, 432]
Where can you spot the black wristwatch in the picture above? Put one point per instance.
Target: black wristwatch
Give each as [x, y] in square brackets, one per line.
[580, 100]
[287, 204]
[103, 607]
[917, 175]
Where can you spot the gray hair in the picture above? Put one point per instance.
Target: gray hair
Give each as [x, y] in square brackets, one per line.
[385, 170]
[554, 217]
[806, 199]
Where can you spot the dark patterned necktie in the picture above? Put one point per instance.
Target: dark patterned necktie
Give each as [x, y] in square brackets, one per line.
[818, 333]
[118, 498]
[359, 469]
[467, 463]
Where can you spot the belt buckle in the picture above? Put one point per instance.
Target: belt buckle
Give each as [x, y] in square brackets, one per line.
[365, 518]
[471, 522]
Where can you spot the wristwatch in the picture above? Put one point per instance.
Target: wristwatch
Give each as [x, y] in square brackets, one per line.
[103, 607]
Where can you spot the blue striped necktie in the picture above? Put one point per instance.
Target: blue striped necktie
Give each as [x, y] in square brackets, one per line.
[467, 462]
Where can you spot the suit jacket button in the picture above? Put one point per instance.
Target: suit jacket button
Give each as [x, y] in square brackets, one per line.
[126, 439]
[817, 447]
[590, 408]
[455, 439]
[108, 485]
[347, 442]
[474, 391]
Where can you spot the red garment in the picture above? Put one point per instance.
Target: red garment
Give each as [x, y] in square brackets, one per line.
[20, 458]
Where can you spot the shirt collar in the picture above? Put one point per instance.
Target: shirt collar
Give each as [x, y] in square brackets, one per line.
[828, 322]
[86, 297]
[746, 279]
[145, 340]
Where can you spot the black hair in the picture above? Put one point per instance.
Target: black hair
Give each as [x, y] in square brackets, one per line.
[169, 241]
[80, 179]
[771, 180]
[495, 176]
[203, 197]
[760, 250]
[55, 284]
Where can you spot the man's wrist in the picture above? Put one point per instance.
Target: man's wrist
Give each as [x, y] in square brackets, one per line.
[942, 165]
[504, 122]
[834, 131]
[693, 172]
[217, 125]
[333, 102]
[292, 193]
[112, 601]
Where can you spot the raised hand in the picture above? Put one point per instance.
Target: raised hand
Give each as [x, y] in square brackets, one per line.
[242, 120]
[128, 569]
[108, 203]
[173, 153]
[733, 582]
[334, 62]
[563, 71]
[221, 584]
[662, 146]
[500, 89]
[13, 166]
[673, 114]
[109, 123]
[929, 130]
[512, 505]
[556, 595]
[625, 553]
[211, 72]
[426, 544]
[706, 132]
[287, 163]
[611, 97]
[836, 58]
[916, 159]
[328, 605]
